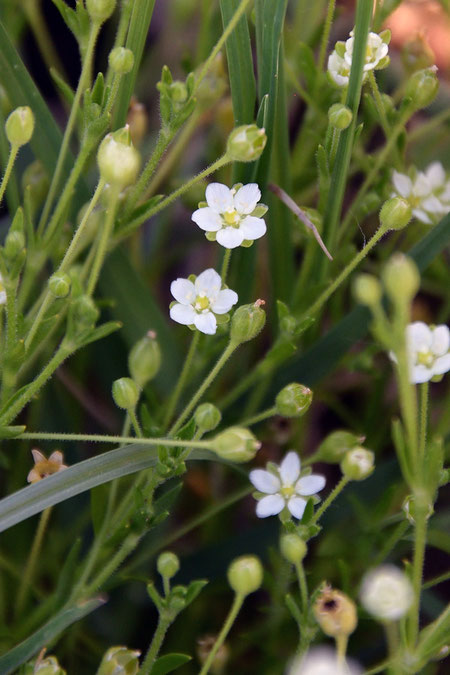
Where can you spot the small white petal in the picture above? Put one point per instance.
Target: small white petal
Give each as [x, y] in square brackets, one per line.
[183, 291]
[296, 506]
[265, 481]
[419, 336]
[309, 485]
[208, 282]
[269, 506]
[402, 184]
[441, 365]
[433, 205]
[224, 301]
[290, 469]
[219, 197]
[207, 219]
[421, 187]
[435, 174]
[422, 216]
[206, 323]
[230, 237]
[421, 374]
[253, 228]
[184, 314]
[441, 340]
[246, 198]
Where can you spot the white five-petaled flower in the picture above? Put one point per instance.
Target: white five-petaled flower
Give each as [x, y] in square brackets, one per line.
[386, 593]
[338, 69]
[340, 60]
[228, 214]
[427, 191]
[428, 351]
[199, 301]
[284, 487]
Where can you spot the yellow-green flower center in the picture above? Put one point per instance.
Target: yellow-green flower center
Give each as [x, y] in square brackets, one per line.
[425, 358]
[287, 491]
[201, 303]
[232, 218]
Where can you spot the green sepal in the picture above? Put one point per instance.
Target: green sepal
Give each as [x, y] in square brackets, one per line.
[211, 236]
[247, 243]
[169, 662]
[11, 432]
[222, 319]
[259, 211]
[340, 48]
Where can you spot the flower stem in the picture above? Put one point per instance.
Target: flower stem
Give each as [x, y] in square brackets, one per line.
[155, 646]
[301, 578]
[423, 394]
[225, 264]
[325, 37]
[100, 438]
[234, 611]
[103, 243]
[417, 572]
[379, 104]
[171, 406]
[265, 414]
[9, 167]
[32, 559]
[331, 497]
[135, 423]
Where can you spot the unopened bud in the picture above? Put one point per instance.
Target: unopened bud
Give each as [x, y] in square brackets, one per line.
[401, 278]
[293, 400]
[358, 464]
[14, 244]
[121, 60]
[386, 593]
[335, 613]
[293, 548]
[118, 160]
[19, 126]
[168, 564]
[59, 285]
[144, 360]
[125, 393]
[336, 445]
[422, 87]
[340, 116]
[245, 574]
[100, 10]
[246, 143]
[247, 322]
[84, 312]
[395, 214]
[236, 444]
[207, 417]
[119, 661]
[367, 290]
[48, 666]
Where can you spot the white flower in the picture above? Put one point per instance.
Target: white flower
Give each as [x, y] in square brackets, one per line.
[386, 593]
[229, 214]
[198, 302]
[427, 191]
[2, 292]
[428, 351]
[376, 51]
[338, 69]
[284, 487]
[323, 661]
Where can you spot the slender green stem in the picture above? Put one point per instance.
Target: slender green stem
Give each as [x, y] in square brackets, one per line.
[229, 349]
[331, 497]
[108, 570]
[423, 424]
[424, 129]
[32, 560]
[417, 572]
[11, 316]
[100, 438]
[155, 645]
[264, 415]
[393, 642]
[325, 37]
[301, 578]
[225, 265]
[9, 167]
[125, 14]
[234, 611]
[102, 248]
[379, 104]
[135, 423]
[172, 404]
[113, 93]
[437, 580]
[341, 648]
[407, 391]
[392, 540]
[45, 41]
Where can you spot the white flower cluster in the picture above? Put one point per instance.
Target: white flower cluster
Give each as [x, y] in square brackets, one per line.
[427, 191]
[428, 351]
[340, 60]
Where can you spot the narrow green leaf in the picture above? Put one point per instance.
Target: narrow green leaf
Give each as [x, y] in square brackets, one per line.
[169, 662]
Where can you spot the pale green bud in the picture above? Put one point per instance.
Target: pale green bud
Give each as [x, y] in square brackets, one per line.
[59, 285]
[14, 244]
[395, 214]
[401, 278]
[125, 393]
[293, 548]
[367, 290]
[118, 160]
[19, 126]
[85, 312]
[207, 417]
[246, 143]
[293, 400]
[335, 446]
[358, 464]
[48, 666]
[236, 444]
[100, 10]
[144, 360]
[247, 322]
[121, 60]
[340, 116]
[422, 87]
[245, 574]
[168, 564]
[119, 661]
[335, 613]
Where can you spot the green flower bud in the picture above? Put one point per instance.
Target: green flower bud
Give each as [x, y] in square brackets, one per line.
[401, 278]
[247, 322]
[245, 574]
[121, 60]
[293, 400]
[100, 10]
[358, 464]
[335, 446]
[207, 417]
[367, 290]
[118, 160]
[14, 244]
[35, 179]
[422, 87]
[236, 444]
[47, 666]
[125, 393]
[144, 360]
[59, 285]
[293, 548]
[335, 613]
[340, 116]
[119, 661]
[246, 143]
[19, 126]
[395, 214]
[84, 312]
[168, 564]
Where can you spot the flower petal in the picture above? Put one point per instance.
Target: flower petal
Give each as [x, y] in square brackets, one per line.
[290, 469]
[402, 183]
[421, 187]
[224, 301]
[208, 282]
[206, 323]
[246, 198]
[230, 237]
[441, 365]
[207, 219]
[419, 336]
[265, 481]
[184, 314]
[309, 485]
[441, 340]
[219, 197]
[253, 228]
[435, 174]
[433, 205]
[183, 291]
[296, 506]
[422, 216]
[420, 374]
[269, 506]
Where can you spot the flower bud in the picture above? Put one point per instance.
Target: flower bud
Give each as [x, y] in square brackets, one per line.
[410, 509]
[118, 160]
[386, 593]
[125, 393]
[401, 278]
[395, 214]
[119, 661]
[422, 87]
[293, 548]
[100, 10]
[236, 444]
[19, 126]
[245, 574]
[207, 417]
[246, 143]
[293, 400]
[47, 666]
[59, 285]
[335, 446]
[358, 464]
[340, 116]
[121, 60]
[367, 290]
[144, 360]
[84, 312]
[335, 613]
[247, 322]
[14, 244]
[168, 564]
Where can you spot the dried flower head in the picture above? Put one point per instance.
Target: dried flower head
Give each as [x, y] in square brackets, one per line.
[335, 612]
[44, 467]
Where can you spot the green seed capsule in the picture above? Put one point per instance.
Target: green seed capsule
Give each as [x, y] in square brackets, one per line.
[245, 574]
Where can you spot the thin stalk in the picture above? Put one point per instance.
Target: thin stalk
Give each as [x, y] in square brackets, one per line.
[331, 497]
[103, 243]
[423, 422]
[379, 104]
[108, 570]
[394, 538]
[420, 541]
[341, 648]
[32, 560]
[9, 167]
[100, 438]
[135, 423]
[155, 646]
[264, 415]
[113, 92]
[393, 643]
[234, 611]
[33, 11]
[225, 264]
[125, 14]
[436, 580]
[325, 36]
[301, 578]
[171, 406]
